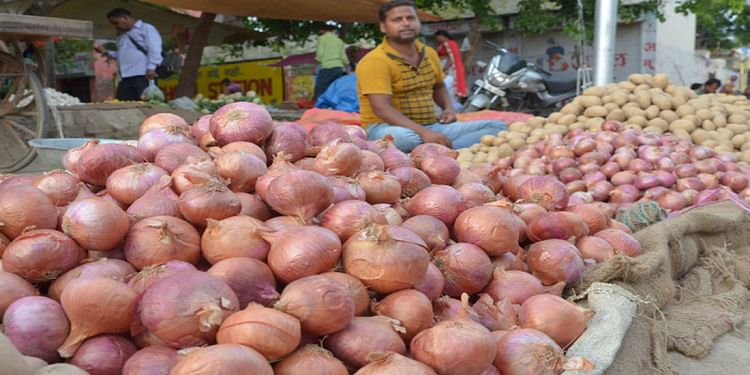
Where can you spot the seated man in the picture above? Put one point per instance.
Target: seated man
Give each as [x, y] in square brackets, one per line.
[399, 83]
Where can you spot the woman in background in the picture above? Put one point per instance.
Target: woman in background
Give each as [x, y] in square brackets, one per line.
[453, 66]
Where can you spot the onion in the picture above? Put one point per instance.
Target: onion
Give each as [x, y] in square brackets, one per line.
[302, 251]
[433, 231]
[23, 207]
[436, 346]
[528, 211]
[103, 355]
[290, 138]
[693, 183]
[509, 262]
[545, 191]
[614, 224]
[162, 120]
[338, 159]
[710, 181]
[241, 169]
[270, 332]
[622, 242]
[595, 248]
[432, 283]
[349, 217]
[186, 308]
[183, 178]
[110, 268]
[61, 186]
[500, 315]
[236, 236]
[143, 280]
[13, 288]
[466, 267]
[99, 162]
[42, 255]
[442, 170]
[326, 132]
[95, 306]
[685, 170]
[410, 307]
[322, 305]
[250, 279]
[356, 132]
[701, 152]
[153, 360]
[624, 178]
[300, 193]
[36, 326]
[426, 150]
[494, 229]
[734, 180]
[159, 239]
[129, 183]
[672, 201]
[584, 146]
[282, 222]
[73, 156]
[528, 351]
[665, 164]
[560, 225]
[356, 288]
[247, 147]
[380, 187]
[646, 181]
[389, 214]
[516, 286]
[241, 121]
[310, 360]
[440, 201]
[95, 223]
[254, 206]
[591, 215]
[559, 319]
[281, 165]
[447, 308]
[489, 174]
[412, 180]
[200, 126]
[370, 162]
[153, 141]
[624, 194]
[476, 194]
[159, 200]
[392, 157]
[208, 143]
[386, 258]
[555, 260]
[211, 199]
[363, 336]
[666, 179]
[345, 188]
[223, 359]
[386, 363]
[570, 174]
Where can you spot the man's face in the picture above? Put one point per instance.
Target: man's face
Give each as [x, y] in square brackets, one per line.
[711, 88]
[401, 24]
[122, 24]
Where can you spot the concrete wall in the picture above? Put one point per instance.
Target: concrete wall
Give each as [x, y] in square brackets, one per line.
[675, 47]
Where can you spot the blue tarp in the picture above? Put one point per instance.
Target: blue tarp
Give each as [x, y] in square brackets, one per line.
[341, 95]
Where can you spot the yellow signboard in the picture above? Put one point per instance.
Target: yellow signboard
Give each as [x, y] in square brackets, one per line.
[256, 75]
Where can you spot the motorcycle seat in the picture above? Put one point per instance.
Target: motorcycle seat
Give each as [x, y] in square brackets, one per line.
[558, 84]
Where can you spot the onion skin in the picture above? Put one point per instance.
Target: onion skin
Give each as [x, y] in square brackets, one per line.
[442, 170]
[476, 194]
[270, 332]
[143, 280]
[310, 360]
[595, 248]
[392, 157]
[322, 305]
[425, 150]
[545, 191]
[510, 262]
[432, 283]
[466, 267]
[591, 215]
[173, 155]
[327, 132]
[250, 279]
[410, 307]
[672, 201]
[163, 120]
[622, 242]
[22, 207]
[12, 288]
[559, 225]
[338, 159]
[223, 359]
[129, 183]
[412, 180]
[554, 261]
[380, 187]
[42, 255]
[254, 206]
[61, 186]
[95, 223]
[183, 178]
[236, 236]
[290, 138]
[386, 258]
[371, 162]
[500, 315]
[72, 157]
[36, 326]
[433, 231]
[357, 289]
[303, 251]
[516, 286]
[105, 267]
[348, 217]
[103, 355]
[209, 200]
[159, 239]
[241, 169]
[493, 229]
[159, 200]
[561, 320]
[440, 201]
[241, 121]
[186, 308]
[528, 351]
[95, 306]
[363, 336]
[96, 164]
[153, 360]
[393, 363]
[299, 193]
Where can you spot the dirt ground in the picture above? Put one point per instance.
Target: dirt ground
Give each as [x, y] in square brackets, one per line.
[729, 356]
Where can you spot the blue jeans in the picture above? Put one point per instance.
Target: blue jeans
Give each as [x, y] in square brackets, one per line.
[461, 134]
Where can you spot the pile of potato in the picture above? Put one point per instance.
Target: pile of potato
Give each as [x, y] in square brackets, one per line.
[643, 102]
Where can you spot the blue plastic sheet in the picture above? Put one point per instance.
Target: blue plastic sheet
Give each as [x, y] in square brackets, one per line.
[341, 95]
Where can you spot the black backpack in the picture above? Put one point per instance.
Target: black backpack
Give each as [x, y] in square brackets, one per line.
[170, 63]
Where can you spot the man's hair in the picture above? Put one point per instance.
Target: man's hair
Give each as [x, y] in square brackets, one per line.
[696, 86]
[385, 8]
[712, 81]
[443, 33]
[119, 12]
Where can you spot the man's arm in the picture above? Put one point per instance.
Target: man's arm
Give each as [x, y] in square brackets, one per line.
[443, 99]
[383, 108]
[153, 48]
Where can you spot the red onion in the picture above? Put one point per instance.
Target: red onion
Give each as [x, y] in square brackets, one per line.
[96, 164]
[349, 217]
[41, 255]
[236, 236]
[345, 188]
[129, 183]
[665, 164]
[494, 229]
[442, 170]
[173, 155]
[382, 335]
[302, 251]
[516, 286]
[183, 178]
[241, 121]
[559, 151]
[162, 120]
[13, 287]
[153, 360]
[693, 183]
[672, 201]
[250, 279]
[186, 308]
[528, 211]
[646, 180]
[356, 288]
[601, 190]
[322, 305]
[640, 165]
[371, 162]
[159, 200]
[511, 186]
[338, 159]
[432, 283]
[495, 315]
[554, 261]
[509, 262]
[254, 206]
[570, 174]
[290, 138]
[710, 181]
[666, 179]
[410, 307]
[223, 359]
[105, 267]
[561, 164]
[627, 138]
[584, 146]
[466, 267]
[624, 194]
[103, 355]
[300, 193]
[272, 333]
[159, 239]
[528, 351]
[61, 186]
[328, 131]
[250, 148]
[95, 223]
[595, 248]
[412, 180]
[476, 194]
[545, 191]
[734, 180]
[36, 326]
[139, 282]
[447, 308]
[312, 360]
[72, 157]
[392, 156]
[704, 166]
[622, 242]
[153, 141]
[200, 126]
[240, 169]
[425, 150]
[594, 157]
[440, 201]
[701, 152]
[23, 207]
[561, 320]
[211, 199]
[685, 170]
[589, 168]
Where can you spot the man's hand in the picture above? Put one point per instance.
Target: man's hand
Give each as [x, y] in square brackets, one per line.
[435, 137]
[448, 116]
[150, 74]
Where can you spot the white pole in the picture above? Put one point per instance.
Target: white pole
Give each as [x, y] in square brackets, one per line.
[604, 41]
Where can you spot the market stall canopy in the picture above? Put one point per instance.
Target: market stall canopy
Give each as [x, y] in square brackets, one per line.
[164, 19]
[319, 10]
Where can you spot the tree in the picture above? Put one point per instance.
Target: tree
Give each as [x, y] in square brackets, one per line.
[186, 86]
[720, 23]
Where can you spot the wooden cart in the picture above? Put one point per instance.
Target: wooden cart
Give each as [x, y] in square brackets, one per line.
[24, 113]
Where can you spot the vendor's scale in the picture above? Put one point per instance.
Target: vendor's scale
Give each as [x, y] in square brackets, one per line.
[24, 112]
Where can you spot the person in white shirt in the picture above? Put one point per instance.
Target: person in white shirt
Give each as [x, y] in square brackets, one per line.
[138, 53]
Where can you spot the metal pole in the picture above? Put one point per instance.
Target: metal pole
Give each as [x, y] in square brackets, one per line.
[605, 29]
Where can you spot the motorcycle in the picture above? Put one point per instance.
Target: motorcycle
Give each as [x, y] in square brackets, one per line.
[511, 83]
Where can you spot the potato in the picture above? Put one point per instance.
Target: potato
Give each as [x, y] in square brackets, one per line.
[699, 104]
[639, 120]
[465, 156]
[652, 112]
[619, 98]
[693, 118]
[670, 88]
[611, 107]
[681, 134]
[517, 143]
[480, 157]
[737, 128]
[514, 135]
[710, 143]
[631, 111]
[567, 120]
[558, 129]
[681, 124]
[704, 114]
[678, 101]
[577, 125]
[725, 133]
[659, 123]
[498, 141]
[532, 140]
[661, 81]
[519, 126]
[699, 136]
[737, 118]
[642, 87]
[595, 111]
[589, 100]
[594, 122]
[745, 146]
[475, 148]
[595, 91]
[606, 99]
[653, 129]
[484, 148]
[685, 110]
[724, 149]
[502, 133]
[554, 117]
[505, 149]
[716, 109]
[572, 109]
[617, 115]
[669, 116]
[643, 100]
[708, 125]
[637, 79]
[627, 86]
[633, 126]
[719, 120]
[745, 156]
[662, 101]
[738, 140]
[487, 140]
[536, 122]
[537, 133]
[493, 155]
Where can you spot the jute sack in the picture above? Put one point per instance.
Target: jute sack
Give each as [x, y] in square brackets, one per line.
[690, 286]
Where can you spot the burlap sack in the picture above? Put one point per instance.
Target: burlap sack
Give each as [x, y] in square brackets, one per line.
[690, 285]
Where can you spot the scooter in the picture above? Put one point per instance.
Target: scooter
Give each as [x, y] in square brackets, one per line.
[511, 83]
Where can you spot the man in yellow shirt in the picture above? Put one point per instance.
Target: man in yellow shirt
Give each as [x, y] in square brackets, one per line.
[400, 81]
[331, 58]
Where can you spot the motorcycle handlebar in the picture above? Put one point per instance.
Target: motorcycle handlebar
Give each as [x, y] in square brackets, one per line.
[495, 46]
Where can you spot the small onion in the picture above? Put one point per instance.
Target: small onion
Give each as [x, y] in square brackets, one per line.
[710, 181]
[410, 307]
[338, 159]
[591, 215]
[241, 121]
[105, 267]
[182, 177]
[516, 286]
[95, 166]
[42, 255]
[250, 279]
[240, 169]
[495, 315]
[387, 363]
[250, 148]
[128, 184]
[103, 355]
[302, 251]
[310, 360]
[442, 170]
[624, 194]
[357, 289]
[622, 242]
[236, 236]
[173, 155]
[476, 194]
[672, 201]
[554, 261]
[685, 170]
[322, 305]
[646, 181]
[159, 239]
[693, 183]
[466, 267]
[545, 191]
[561, 320]
[380, 187]
[327, 132]
[95, 223]
[159, 200]
[365, 335]
[291, 138]
[561, 225]
[270, 332]
[528, 351]
[254, 206]
[734, 180]
[23, 207]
